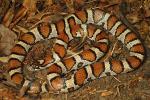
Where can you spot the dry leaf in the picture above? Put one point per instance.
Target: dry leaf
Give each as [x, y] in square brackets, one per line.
[106, 93]
[7, 40]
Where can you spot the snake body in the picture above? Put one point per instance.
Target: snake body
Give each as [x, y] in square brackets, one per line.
[65, 30]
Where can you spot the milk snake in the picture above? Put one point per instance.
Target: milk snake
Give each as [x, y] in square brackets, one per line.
[65, 30]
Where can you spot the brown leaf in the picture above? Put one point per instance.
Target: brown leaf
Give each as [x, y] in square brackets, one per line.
[7, 38]
[106, 93]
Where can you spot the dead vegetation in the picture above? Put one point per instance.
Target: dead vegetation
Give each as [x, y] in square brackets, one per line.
[19, 16]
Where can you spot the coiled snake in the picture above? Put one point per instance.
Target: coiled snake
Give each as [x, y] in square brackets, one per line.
[65, 30]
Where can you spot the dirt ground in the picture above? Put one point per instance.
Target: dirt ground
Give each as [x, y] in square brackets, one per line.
[18, 16]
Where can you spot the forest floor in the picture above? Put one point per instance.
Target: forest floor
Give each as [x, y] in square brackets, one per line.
[135, 13]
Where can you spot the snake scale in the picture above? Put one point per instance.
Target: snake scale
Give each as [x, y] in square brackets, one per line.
[65, 30]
